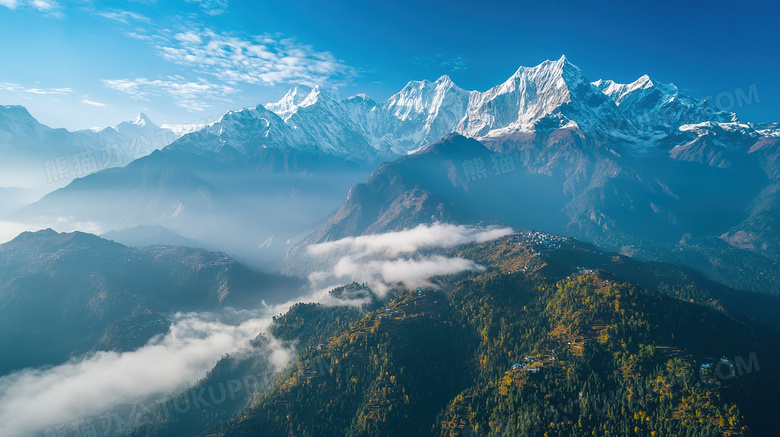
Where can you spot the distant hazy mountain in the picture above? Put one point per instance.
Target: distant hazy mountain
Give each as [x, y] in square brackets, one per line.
[140, 236]
[37, 155]
[66, 294]
[218, 186]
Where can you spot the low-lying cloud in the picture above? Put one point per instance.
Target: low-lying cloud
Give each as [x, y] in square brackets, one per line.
[32, 399]
[410, 271]
[389, 258]
[440, 235]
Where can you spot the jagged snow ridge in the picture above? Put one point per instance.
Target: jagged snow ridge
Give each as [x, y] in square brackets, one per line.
[551, 95]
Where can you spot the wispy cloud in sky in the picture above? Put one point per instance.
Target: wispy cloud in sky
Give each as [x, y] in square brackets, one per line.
[48, 7]
[230, 60]
[442, 61]
[61, 91]
[87, 101]
[193, 96]
[17, 88]
[261, 60]
[123, 16]
[203, 66]
[211, 7]
[45, 5]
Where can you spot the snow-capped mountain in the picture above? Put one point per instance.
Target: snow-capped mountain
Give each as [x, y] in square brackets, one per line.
[551, 95]
[554, 92]
[242, 132]
[659, 108]
[638, 167]
[139, 136]
[640, 117]
[36, 155]
[321, 121]
[616, 158]
[420, 114]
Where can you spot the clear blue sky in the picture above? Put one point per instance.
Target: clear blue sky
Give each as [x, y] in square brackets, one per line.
[81, 63]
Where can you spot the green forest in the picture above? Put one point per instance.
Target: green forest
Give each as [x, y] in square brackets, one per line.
[532, 345]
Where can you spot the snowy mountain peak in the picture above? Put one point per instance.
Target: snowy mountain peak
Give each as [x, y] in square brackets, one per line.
[645, 81]
[444, 80]
[361, 98]
[560, 69]
[142, 120]
[529, 95]
[659, 108]
[316, 94]
[291, 100]
[299, 97]
[619, 92]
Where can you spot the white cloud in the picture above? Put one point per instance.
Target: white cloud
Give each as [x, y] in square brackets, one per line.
[138, 34]
[86, 101]
[33, 399]
[193, 96]
[15, 87]
[10, 4]
[45, 5]
[385, 258]
[50, 8]
[436, 235]
[124, 16]
[211, 7]
[61, 91]
[263, 59]
[412, 272]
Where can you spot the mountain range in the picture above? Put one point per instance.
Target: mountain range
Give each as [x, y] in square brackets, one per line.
[634, 260]
[38, 159]
[638, 167]
[28, 146]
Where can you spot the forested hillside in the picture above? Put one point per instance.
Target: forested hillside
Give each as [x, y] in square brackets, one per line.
[535, 344]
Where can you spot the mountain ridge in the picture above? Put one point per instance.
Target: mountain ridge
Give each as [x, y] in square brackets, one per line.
[611, 168]
[38, 155]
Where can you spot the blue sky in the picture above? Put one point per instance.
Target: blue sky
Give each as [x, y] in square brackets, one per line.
[82, 63]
